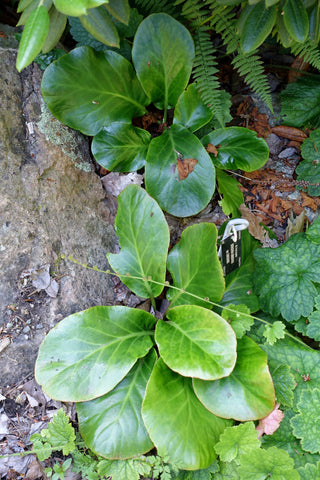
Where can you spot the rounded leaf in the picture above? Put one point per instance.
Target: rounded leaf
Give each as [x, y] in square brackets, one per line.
[33, 37]
[163, 53]
[112, 425]
[179, 197]
[257, 26]
[144, 239]
[88, 90]
[181, 428]
[121, 147]
[248, 393]
[190, 110]
[195, 267]
[238, 148]
[88, 353]
[296, 20]
[196, 342]
[119, 9]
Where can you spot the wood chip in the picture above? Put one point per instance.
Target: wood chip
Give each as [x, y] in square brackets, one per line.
[291, 133]
[4, 343]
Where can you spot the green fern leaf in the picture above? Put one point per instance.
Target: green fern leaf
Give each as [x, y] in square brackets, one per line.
[308, 50]
[250, 66]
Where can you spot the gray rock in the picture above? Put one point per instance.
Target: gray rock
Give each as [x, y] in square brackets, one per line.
[274, 144]
[51, 203]
[287, 152]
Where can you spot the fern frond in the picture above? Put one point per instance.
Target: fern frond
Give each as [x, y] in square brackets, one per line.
[223, 20]
[308, 50]
[251, 67]
[204, 73]
[147, 7]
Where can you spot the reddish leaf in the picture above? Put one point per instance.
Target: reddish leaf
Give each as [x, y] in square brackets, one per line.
[269, 424]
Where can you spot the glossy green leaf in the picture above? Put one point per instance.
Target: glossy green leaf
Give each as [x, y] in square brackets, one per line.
[73, 8]
[58, 22]
[22, 5]
[196, 342]
[248, 393]
[121, 147]
[275, 463]
[119, 9]
[32, 6]
[238, 148]
[181, 428]
[314, 24]
[285, 277]
[88, 90]
[269, 3]
[88, 353]
[186, 197]
[236, 441]
[283, 34]
[306, 423]
[257, 26]
[190, 110]
[144, 239]
[163, 54]
[296, 19]
[309, 169]
[195, 267]
[99, 24]
[232, 196]
[112, 425]
[33, 37]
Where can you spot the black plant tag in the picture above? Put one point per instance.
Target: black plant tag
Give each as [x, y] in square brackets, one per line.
[231, 253]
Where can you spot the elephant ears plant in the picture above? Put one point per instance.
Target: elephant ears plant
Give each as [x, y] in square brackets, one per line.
[174, 384]
[100, 94]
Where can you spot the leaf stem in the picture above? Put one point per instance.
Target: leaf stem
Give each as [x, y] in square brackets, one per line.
[167, 284]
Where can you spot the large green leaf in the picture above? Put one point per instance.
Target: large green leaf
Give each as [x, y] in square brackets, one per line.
[285, 277]
[238, 148]
[248, 393]
[188, 196]
[88, 353]
[257, 26]
[99, 24]
[190, 110]
[309, 169]
[144, 239]
[33, 37]
[181, 428]
[163, 54]
[87, 90]
[196, 342]
[195, 267]
[296, 19]
[121, 147]
[112, 425]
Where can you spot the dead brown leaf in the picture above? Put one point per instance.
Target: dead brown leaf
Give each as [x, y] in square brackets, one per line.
[291, 133]
[295, 224]
[255, 229]
[271, 422]
[298, 66]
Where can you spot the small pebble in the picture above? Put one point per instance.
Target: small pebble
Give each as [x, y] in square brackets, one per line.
[26, 337]
[9, 325]
[39, 326]
[294, 195]
[287, 152]
[26, 329]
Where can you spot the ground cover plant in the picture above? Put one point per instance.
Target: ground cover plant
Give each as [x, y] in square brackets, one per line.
[227, 352]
